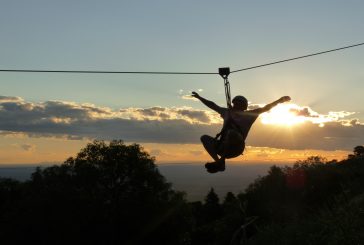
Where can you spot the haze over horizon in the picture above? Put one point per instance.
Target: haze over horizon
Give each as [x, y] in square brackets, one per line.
[189, 178]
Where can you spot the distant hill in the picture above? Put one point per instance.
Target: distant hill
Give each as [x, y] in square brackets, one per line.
[196, 181]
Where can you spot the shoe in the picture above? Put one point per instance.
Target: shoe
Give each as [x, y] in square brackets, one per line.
[214, 167]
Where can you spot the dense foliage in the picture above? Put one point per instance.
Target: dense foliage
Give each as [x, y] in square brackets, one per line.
[113, 194]
[108, 194]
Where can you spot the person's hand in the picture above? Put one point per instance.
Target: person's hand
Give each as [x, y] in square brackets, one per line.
[195, 95]
[284, 99]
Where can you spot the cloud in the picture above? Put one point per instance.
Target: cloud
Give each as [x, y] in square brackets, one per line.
[180, 125]
[9, 99]
[162, 114]
[308, 135]
[24, 147]
[196, 153]
[188, 97]
[161, 153]
[75, 121]
[292, 113]
[27, 147]
[200, 116]
[155, 152]
[304, 112]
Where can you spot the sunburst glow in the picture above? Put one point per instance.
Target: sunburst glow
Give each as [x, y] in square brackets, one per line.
[292, 114]
[282, 114]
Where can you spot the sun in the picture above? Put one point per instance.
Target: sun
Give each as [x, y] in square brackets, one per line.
[283, 114]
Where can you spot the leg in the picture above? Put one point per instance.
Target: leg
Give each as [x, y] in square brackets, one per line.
[233, 146]
[210, 146]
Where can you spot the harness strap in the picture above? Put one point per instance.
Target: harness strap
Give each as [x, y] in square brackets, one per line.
[230, 123]
[227, 92]
[224, 73]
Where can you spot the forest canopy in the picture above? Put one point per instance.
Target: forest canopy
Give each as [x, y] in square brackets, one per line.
[113, 193]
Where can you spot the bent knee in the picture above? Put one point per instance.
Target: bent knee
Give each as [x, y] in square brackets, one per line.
[205, 138]
[234, 150]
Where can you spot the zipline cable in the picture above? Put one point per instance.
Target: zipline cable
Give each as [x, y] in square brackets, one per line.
[112, 72]
[177, 73]
[296, 58]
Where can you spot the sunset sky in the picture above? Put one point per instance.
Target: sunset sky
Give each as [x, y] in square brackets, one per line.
[47, 117]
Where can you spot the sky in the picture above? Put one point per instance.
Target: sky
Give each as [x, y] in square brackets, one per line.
[48, 117]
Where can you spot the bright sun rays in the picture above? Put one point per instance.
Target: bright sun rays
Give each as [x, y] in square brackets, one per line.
[292, 114]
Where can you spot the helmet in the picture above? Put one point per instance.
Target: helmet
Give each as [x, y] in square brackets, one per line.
[242, 100]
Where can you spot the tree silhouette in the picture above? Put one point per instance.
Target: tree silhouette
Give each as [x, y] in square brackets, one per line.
[359, 151]
[230, 199]
[112, 193]
[212, 207]
[108, 194]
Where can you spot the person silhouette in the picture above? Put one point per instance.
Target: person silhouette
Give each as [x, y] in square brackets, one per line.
[230, 142]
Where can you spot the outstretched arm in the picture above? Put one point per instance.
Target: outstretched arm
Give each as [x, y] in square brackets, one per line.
[207, 103]
[273, 104]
